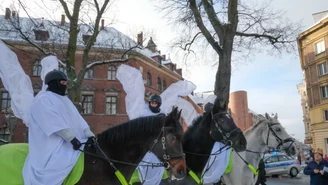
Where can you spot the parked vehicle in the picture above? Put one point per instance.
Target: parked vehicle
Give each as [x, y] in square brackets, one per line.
[279, 164]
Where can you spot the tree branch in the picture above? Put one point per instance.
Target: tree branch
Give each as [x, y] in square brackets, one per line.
[212, 16]
[97, 63]
[273, 40]
[202, 27]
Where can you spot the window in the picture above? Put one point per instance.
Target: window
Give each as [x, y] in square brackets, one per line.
[37, 68]
[322, 69]
[159, 84]
[320, 47]
[148, 79]
[164, 85]
[324, 91]
[111, 105]
[111, 73]
[89, 74]
[325, 116]
[87, 104]
[282, 158]
[272, 159]
[5, 102]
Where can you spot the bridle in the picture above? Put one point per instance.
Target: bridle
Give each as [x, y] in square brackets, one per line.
[166, 156]
[279, 140]
[226, 135]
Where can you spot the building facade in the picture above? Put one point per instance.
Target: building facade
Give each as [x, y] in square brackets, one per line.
[102, 95]
[305, 108]
[313, 44]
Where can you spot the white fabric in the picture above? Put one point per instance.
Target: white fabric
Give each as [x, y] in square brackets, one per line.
[48, 64]
[209, 99]
[50, 157]
[171, 94]
[188, 112]
[133, 85]
[216, 164]
[16, 82]
[151, 176]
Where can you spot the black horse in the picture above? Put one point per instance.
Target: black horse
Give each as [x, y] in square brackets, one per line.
[198, 141]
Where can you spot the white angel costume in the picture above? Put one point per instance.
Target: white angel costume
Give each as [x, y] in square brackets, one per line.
[133, 85]
[51, 158]
[16, 82]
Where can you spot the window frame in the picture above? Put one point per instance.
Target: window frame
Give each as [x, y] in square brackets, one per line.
[89, 74]
[159, 84]
[8, 101]
[321, 48]
[149, 79]
[111, 74]
[322, 71]
[83, 103]
[324, 94]
[38, 67]
[111, 103]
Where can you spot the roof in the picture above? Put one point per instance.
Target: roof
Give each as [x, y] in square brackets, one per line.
[108, 37]
[322, 20]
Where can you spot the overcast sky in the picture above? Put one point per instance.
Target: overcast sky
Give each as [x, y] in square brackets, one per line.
[269, 81]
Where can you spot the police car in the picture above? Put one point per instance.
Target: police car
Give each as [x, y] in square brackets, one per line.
[279, 164]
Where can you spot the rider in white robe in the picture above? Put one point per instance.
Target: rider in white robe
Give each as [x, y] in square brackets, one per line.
[133, 85]
[55, 131]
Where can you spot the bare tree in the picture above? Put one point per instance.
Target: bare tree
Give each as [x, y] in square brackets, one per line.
[229, 27]
[84, 17]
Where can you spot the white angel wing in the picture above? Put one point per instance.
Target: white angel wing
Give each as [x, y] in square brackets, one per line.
[48, 64]
[16, 82]
[134, 87]
[188, 112]
[171, 94]
[209, 99]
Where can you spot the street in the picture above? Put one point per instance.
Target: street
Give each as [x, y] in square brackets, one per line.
[301, 179]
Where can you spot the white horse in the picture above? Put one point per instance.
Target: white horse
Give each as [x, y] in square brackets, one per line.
[268, 132]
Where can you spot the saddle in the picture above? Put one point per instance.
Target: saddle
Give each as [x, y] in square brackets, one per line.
[12, 159]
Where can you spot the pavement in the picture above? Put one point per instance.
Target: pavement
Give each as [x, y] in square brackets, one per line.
[300, 179]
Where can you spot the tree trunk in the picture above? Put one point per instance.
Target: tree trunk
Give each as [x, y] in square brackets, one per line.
[223, 74]
[74, 94]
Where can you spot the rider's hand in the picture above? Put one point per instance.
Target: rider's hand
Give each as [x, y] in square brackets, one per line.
[316, 171]
[76, 144]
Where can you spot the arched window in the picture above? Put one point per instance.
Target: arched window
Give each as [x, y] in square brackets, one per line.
[148, 79]
[111, 72]
[37, 68]
[164, 85]
[159, 84]
[89, 74]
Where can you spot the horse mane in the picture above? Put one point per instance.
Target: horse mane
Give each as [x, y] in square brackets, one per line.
[194, 125]
[262, 119]
[123, 132]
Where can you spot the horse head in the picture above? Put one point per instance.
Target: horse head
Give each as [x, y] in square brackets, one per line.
[277, 137]
[225, 130]
[170, 148]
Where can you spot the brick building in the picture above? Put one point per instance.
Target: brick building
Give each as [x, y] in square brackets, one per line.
[102, 94]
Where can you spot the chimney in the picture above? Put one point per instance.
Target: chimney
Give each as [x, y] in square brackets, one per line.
[102, 24]
[179, 71]
[140, 39]
[62, 21]
[7, 14]
[164, 57]
[13, 14]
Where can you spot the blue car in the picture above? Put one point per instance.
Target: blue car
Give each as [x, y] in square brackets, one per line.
[280, 164]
